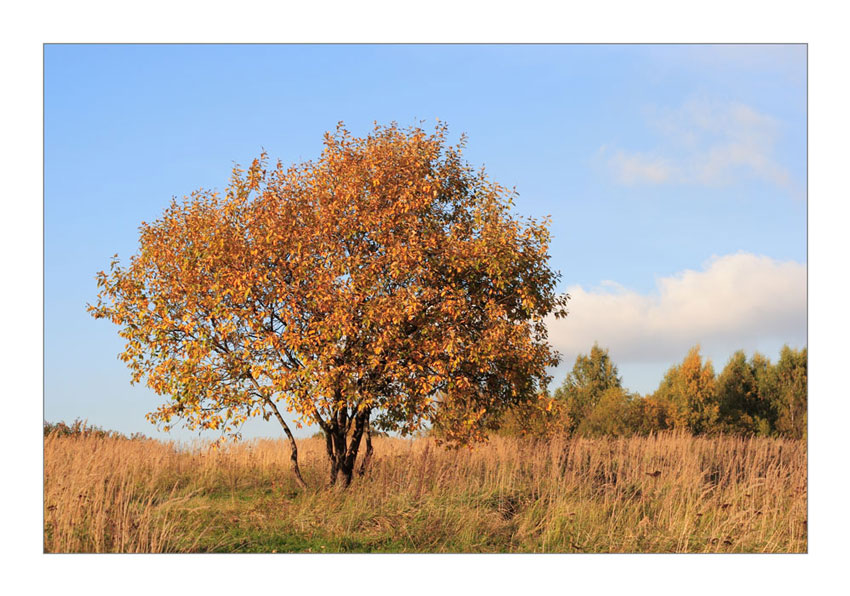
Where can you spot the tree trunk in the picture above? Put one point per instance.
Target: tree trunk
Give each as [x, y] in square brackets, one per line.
[331, 444]
[367, 458]
[294, 448]
[342, 453]
[347, 474]
[294, 458]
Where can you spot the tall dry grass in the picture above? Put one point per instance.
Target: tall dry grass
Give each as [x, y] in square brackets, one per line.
[104, 494]
[670, 493]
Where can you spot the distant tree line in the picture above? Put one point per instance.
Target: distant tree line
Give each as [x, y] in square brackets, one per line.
[80, 428]
[749, 397]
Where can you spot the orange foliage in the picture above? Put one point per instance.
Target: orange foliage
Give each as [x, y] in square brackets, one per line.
[386, 277]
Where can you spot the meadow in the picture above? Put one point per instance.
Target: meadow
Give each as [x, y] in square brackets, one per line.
[667, 493]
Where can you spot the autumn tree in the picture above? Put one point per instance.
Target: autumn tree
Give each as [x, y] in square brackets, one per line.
[387, 280]
[689, 390]
[614, 414]
[540, 418]
[745, 406]
[650, 415]
[590, 377]
[791, 392]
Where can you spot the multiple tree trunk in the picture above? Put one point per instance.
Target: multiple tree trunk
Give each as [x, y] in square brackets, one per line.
[342, 451]
[342, 443]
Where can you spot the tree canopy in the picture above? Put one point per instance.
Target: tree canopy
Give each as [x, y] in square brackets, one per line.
[689, 389]
[790, 390]
[387, 277]
[581, 391]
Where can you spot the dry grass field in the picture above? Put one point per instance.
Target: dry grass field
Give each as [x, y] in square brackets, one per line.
[670, 493]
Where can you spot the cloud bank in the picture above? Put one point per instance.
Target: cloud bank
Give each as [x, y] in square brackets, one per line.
[703, 143]
[737, 301]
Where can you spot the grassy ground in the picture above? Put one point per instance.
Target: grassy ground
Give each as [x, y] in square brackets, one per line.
[659, 494]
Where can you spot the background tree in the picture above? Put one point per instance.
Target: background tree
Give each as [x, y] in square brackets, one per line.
[615, 414]
[791, 392]
[582, 389]
[541, 418]
[386, 278]
[744, 406]
[689, 390]
[765, 377]
[650, 415]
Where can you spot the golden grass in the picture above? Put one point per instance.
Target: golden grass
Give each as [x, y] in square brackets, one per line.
[670, 493]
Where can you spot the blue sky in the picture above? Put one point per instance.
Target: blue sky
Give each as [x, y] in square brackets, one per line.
[675, 177]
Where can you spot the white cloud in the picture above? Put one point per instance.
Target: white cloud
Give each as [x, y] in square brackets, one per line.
[636, 168]
[704, 143]
[737, 301]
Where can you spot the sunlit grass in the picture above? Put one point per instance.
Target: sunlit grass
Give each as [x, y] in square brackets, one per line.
[671, 493]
